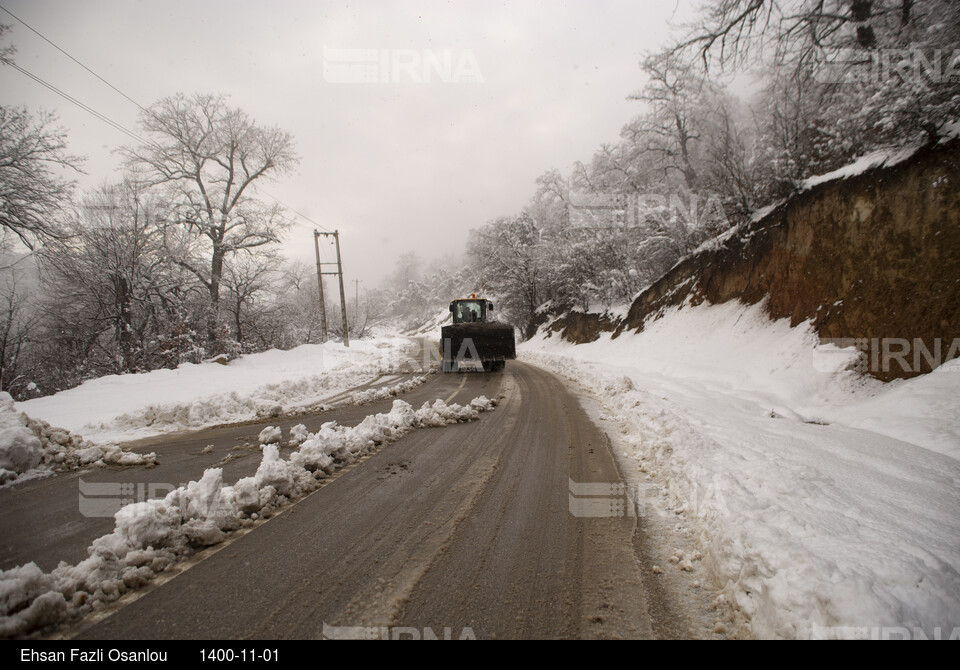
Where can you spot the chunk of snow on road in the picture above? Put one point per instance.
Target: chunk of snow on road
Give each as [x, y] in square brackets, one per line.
[385, 392]
[31, 448]
[298, 435]
[20, 449]
[270, 435]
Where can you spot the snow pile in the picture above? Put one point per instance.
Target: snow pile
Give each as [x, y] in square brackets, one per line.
[386, 392]
[823, 504]
[31, 448]
[124, 407]
[149, 537]
[298, 435]
[270, 435]
[20, 449]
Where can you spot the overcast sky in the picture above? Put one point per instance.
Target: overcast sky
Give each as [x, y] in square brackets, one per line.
[395, 165]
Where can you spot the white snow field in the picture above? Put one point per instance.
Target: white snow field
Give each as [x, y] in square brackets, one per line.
[824, 504]
[125, 407]
[151, 536]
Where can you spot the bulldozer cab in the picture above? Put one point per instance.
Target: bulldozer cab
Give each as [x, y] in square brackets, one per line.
[472, 310]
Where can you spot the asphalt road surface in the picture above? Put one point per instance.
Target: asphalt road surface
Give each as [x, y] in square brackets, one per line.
[463, 531]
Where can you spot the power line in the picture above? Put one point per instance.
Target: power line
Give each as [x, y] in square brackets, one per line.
[51, 43]
[300, 214]
[84, 107]
[110, 121]
[133, 135]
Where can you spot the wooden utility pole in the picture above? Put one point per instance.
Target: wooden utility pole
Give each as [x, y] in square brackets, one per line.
[339, 273]
[323, 305]
[343, 297]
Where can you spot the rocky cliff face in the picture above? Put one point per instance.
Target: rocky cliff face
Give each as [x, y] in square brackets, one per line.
[872, 259]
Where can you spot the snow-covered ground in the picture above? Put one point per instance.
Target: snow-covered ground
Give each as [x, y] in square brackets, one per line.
[124, 407]
[824, 504]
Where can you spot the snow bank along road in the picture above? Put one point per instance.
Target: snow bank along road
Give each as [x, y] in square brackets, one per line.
[465, 530]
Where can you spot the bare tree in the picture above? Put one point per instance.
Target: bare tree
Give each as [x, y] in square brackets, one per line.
[733, 170]
[32, 194]
[247, 277]
[17, 322]
[105, 275]
[211, 155]
[298, 317]
[507, 255]
[669, 130]
[732, 32]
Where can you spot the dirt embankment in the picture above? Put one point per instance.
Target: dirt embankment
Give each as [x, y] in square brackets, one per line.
[582, 327]
[874, 258]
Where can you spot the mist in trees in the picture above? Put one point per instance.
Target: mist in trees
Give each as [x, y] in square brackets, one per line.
[174, 263]
[830, 80]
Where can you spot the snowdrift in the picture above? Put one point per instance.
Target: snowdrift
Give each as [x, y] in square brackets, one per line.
[31, 448]
[824, 503]
[126, 407]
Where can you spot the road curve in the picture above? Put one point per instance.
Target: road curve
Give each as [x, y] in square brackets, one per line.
[459, 531]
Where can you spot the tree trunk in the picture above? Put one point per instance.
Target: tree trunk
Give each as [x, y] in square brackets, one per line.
[126, 342]
[237, 325]
[905, 8]
[213, 317]
[689, 173]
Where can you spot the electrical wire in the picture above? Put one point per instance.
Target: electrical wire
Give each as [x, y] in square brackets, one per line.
[108, 120]
[51, 43]
[90, 110]
[300, 214]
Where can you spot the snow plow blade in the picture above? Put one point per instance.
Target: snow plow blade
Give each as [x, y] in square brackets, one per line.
[490, 344]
